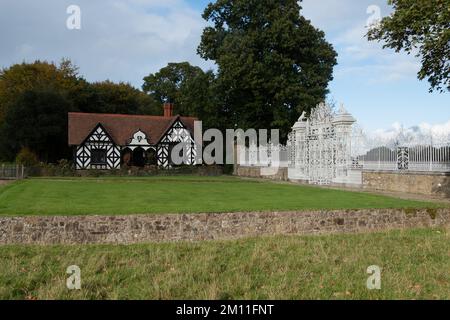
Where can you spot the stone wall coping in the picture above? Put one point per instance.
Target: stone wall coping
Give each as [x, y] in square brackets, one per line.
[241, 213]
[44, 230]
[409, 172]
[399, 172]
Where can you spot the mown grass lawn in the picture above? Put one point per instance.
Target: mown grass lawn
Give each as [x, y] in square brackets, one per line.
[414, 264]
[106, 196]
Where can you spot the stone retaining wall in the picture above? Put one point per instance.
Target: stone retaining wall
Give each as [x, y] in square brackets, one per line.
[255, 172]
[433, 184]
[427, 183]
[195, 227]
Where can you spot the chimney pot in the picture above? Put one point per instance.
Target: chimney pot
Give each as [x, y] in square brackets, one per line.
[168, 110]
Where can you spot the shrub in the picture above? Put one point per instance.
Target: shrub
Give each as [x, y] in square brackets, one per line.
[27, 157]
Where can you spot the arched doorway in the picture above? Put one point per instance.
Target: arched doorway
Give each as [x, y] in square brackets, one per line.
[138, 158]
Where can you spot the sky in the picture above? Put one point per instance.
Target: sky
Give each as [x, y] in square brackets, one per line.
[125, 40]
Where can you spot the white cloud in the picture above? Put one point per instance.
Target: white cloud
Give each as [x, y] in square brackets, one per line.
[392, 70]
[331, 14]
[121, 40]
[345, 23]
[368, 59]
[423, 133]
[437, 130]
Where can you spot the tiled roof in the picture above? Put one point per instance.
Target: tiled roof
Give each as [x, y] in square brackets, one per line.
[121, 127]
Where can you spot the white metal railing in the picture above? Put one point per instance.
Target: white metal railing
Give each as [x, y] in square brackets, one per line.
[264, 156]
[416, 158]
[11, 171]
[426, 158]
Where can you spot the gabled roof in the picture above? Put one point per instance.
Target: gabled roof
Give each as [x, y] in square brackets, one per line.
[122, 127]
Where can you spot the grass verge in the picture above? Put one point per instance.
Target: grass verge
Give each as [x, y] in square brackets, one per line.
[415, 265]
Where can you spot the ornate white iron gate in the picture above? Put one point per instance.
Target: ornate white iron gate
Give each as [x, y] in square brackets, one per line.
[325, 149]
[320, 146]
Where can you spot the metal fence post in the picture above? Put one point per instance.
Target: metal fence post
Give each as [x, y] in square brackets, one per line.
[379, 159]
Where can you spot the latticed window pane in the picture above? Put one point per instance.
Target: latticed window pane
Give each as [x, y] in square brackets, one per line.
[98, 156]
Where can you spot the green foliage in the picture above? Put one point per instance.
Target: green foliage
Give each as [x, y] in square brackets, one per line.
[19, 78]
[63, 168]
[27, 157]
[272, 63]
[169, 83]
[421, 27]
[37, 120]
[189, 88]
[179, 194]
[118, 98]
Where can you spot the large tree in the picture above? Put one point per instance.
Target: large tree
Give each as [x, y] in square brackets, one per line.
[122, 98]
[36, 120]
[272, 63]
[421, 27]
[189, 88]
[37, 75]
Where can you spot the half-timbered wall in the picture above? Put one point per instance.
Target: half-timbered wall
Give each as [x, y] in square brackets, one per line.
[98, 141]
[177, 134]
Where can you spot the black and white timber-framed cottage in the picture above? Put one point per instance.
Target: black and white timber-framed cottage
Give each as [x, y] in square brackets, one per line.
[110, 141]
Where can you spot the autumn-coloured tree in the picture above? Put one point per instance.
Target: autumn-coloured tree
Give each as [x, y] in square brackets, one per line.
[19, 78]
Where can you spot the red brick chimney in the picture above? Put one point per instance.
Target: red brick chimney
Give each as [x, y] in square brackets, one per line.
[168, 110]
